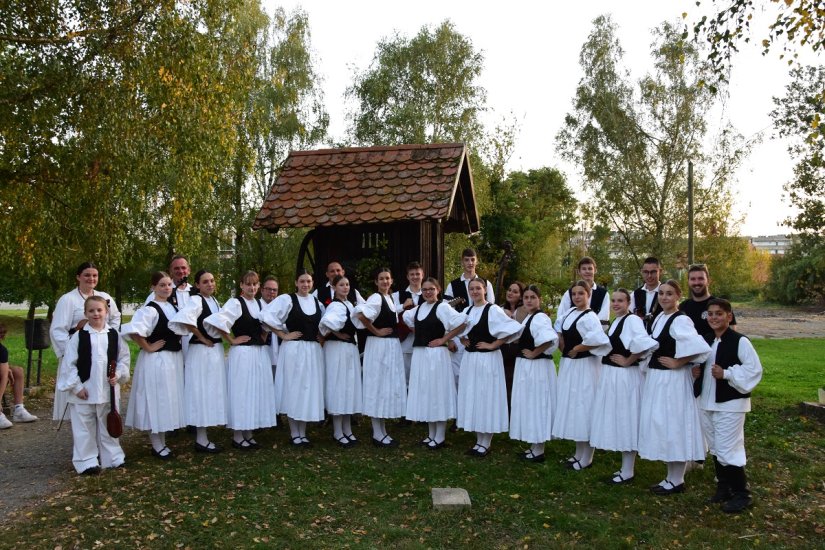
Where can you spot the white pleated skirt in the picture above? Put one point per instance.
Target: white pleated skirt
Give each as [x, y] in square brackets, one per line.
[249, 388]
[432, 393]
[156, 403]
[577, 383]
[533, 400]
[385, 384]
[482, 393]
[670, 428]
[204, 389]
[616, 409]
[343, 393]
[299, 380]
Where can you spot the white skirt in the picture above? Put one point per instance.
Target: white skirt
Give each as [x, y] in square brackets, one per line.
[61, 399]
[533, 400]
[156, 403]
[204, 390]
[616, 410]
[432, 395]
[249, 388]
[670, 428]
[577, 383]
[385, 384]
[343, 393]
[482, 393]
[299, 380]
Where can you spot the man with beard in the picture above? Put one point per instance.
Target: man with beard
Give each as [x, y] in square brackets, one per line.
[696, 307]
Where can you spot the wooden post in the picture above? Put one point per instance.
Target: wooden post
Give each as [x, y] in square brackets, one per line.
[690, 212]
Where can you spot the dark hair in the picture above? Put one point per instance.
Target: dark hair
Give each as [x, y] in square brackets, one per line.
[434, 281]
[520, 301]
[84, 266]
[532, 288]
[250, 278]
[178, 257]
[586, 260]
[480, 280]
[158, 275]
[674, 284]
[200, 274]
[723, 304]
[469, 253]
[333, 261]
[337, 279]
[582, 283]
[625, 291]
[381, 270]
[414, 265]
[302, 271]
[698, 267]
[271, 278]
[652, 260]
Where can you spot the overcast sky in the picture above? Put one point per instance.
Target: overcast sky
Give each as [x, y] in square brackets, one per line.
[531, 70]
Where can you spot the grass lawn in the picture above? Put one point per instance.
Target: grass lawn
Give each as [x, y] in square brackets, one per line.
[366, 497]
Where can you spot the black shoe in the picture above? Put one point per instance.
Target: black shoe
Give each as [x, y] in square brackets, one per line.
[352, 439]
[479, 451]
[576, 466]
[454, 427]
[723, 494]
[252, 443]
[243, 445]
[160, 454]
[209, 448]
[530, 457]
[384, 442]
[618, 479]
[93, 471]
[738, 503]
[669, 489]
[436, 446]
[425, 442]
[343, 441]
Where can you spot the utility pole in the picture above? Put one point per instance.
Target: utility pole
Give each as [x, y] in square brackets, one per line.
[690, 212]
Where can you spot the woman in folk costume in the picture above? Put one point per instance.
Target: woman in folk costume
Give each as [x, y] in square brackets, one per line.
[205, 372]
[385, 385]
[670, 429]
[582, 342]
[432, 393]
[618, 399]
[299, 378]
[482, 393]
[343, 394]
[251, 398]
[67, 319]
[156, 400]
[534, 380]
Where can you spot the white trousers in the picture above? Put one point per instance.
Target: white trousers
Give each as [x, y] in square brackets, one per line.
[725, 436]
[90, 438]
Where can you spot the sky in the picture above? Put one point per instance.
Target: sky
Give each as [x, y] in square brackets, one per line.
[531, 71]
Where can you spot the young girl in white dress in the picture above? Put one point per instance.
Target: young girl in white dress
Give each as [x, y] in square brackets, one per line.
[618, 398]
[583, 342]
[156, 400]
[670, 429]
[385, 385]
[482, 391]
[251, 398]
[205, 366]
[342, 389]
[299, 378]
[432, 392]
[534, 379]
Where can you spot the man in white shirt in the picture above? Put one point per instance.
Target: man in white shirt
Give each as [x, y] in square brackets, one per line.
[599, 296]
[408, 299]
[269, 291]
[325, 293]
[179, 271]
[643, 301]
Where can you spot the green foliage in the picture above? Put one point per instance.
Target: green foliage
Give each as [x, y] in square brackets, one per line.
[798, 277]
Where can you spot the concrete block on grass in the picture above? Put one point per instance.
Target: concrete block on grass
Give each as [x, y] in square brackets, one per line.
[450, 498]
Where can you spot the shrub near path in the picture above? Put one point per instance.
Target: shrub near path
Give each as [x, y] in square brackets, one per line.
[363, 497]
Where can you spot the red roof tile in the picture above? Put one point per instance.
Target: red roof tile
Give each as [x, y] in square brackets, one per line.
[368, 185]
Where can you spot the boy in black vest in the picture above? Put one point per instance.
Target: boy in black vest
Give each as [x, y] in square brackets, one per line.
[723, 385]
[643, 301]
[408, 299]
[88, 355]
[599, 296]
[325, 294]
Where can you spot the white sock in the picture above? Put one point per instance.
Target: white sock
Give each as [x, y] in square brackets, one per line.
[676, 472]
[585, 452]
[486, 440]
[157, 441]
[237, 436]
[537, 449]
[377, 429]
[431, 430]
[247, 434]
[628, 464]
[346, 424]
[200, 436]
[440, 431]
[302, 428]
[19, 407]
[337, 426]
[294, 430]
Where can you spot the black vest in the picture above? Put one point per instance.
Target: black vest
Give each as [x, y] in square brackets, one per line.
[173, 298]
[205, 312]
[429, 328]
[596, 299]
[325, 295]
[348, 328]
[84, 352]
[307, 325]
[727, 355]
[640, 300]
[386, 319]
[162, 331]
[247, 325]
[667, 345]
[480, 332]
[526, 341]
[616, 345]
[572, 337]
[460, 291]
[404, 294]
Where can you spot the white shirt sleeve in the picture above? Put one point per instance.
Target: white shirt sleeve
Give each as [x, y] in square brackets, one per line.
[61, 324]
[143, 323]
[688, 342]
[371, 308]
[635, 338]
[335, 317]
[593, 334]
[542, 331]
[226, 317]
[449, 317]
[276, 312]
[745, 377]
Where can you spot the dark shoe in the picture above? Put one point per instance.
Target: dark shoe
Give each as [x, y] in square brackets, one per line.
[343, 441]
[738, 503]
[723, 494]
[252, 443]
[242, 445]
[617, 479]
[384, 442]
[576, 466]
[530, 457]
[93, 471]
[436, 446]
[425, 442]
[479, 451]
[209, 448]
[569, 460]
[669, 489]
[352, 439]
[454, 427]
[299, 441]
[160, 454]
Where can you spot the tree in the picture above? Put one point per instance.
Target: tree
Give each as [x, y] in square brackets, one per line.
[419, 90]
[633, 142]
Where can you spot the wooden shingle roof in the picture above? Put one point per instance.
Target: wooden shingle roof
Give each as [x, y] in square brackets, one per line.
[351, 186]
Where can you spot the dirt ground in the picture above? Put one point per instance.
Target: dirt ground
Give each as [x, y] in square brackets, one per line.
[36, 458]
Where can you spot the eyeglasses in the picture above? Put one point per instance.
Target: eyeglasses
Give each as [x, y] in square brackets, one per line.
[650, 272]
[428, 289]
[270, 289]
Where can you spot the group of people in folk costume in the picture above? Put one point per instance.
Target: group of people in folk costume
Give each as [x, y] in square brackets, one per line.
[629, 388]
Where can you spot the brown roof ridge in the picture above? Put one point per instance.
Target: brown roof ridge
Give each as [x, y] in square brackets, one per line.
[378, 148]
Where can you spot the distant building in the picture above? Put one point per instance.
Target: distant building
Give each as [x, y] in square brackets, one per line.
[773, 244]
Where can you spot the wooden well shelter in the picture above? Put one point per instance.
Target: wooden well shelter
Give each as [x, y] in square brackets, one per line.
[394, 202]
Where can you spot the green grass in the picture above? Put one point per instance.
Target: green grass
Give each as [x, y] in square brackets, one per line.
[366, 497]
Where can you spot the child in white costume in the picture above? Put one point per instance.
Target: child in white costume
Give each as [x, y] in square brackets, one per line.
[87, 383]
